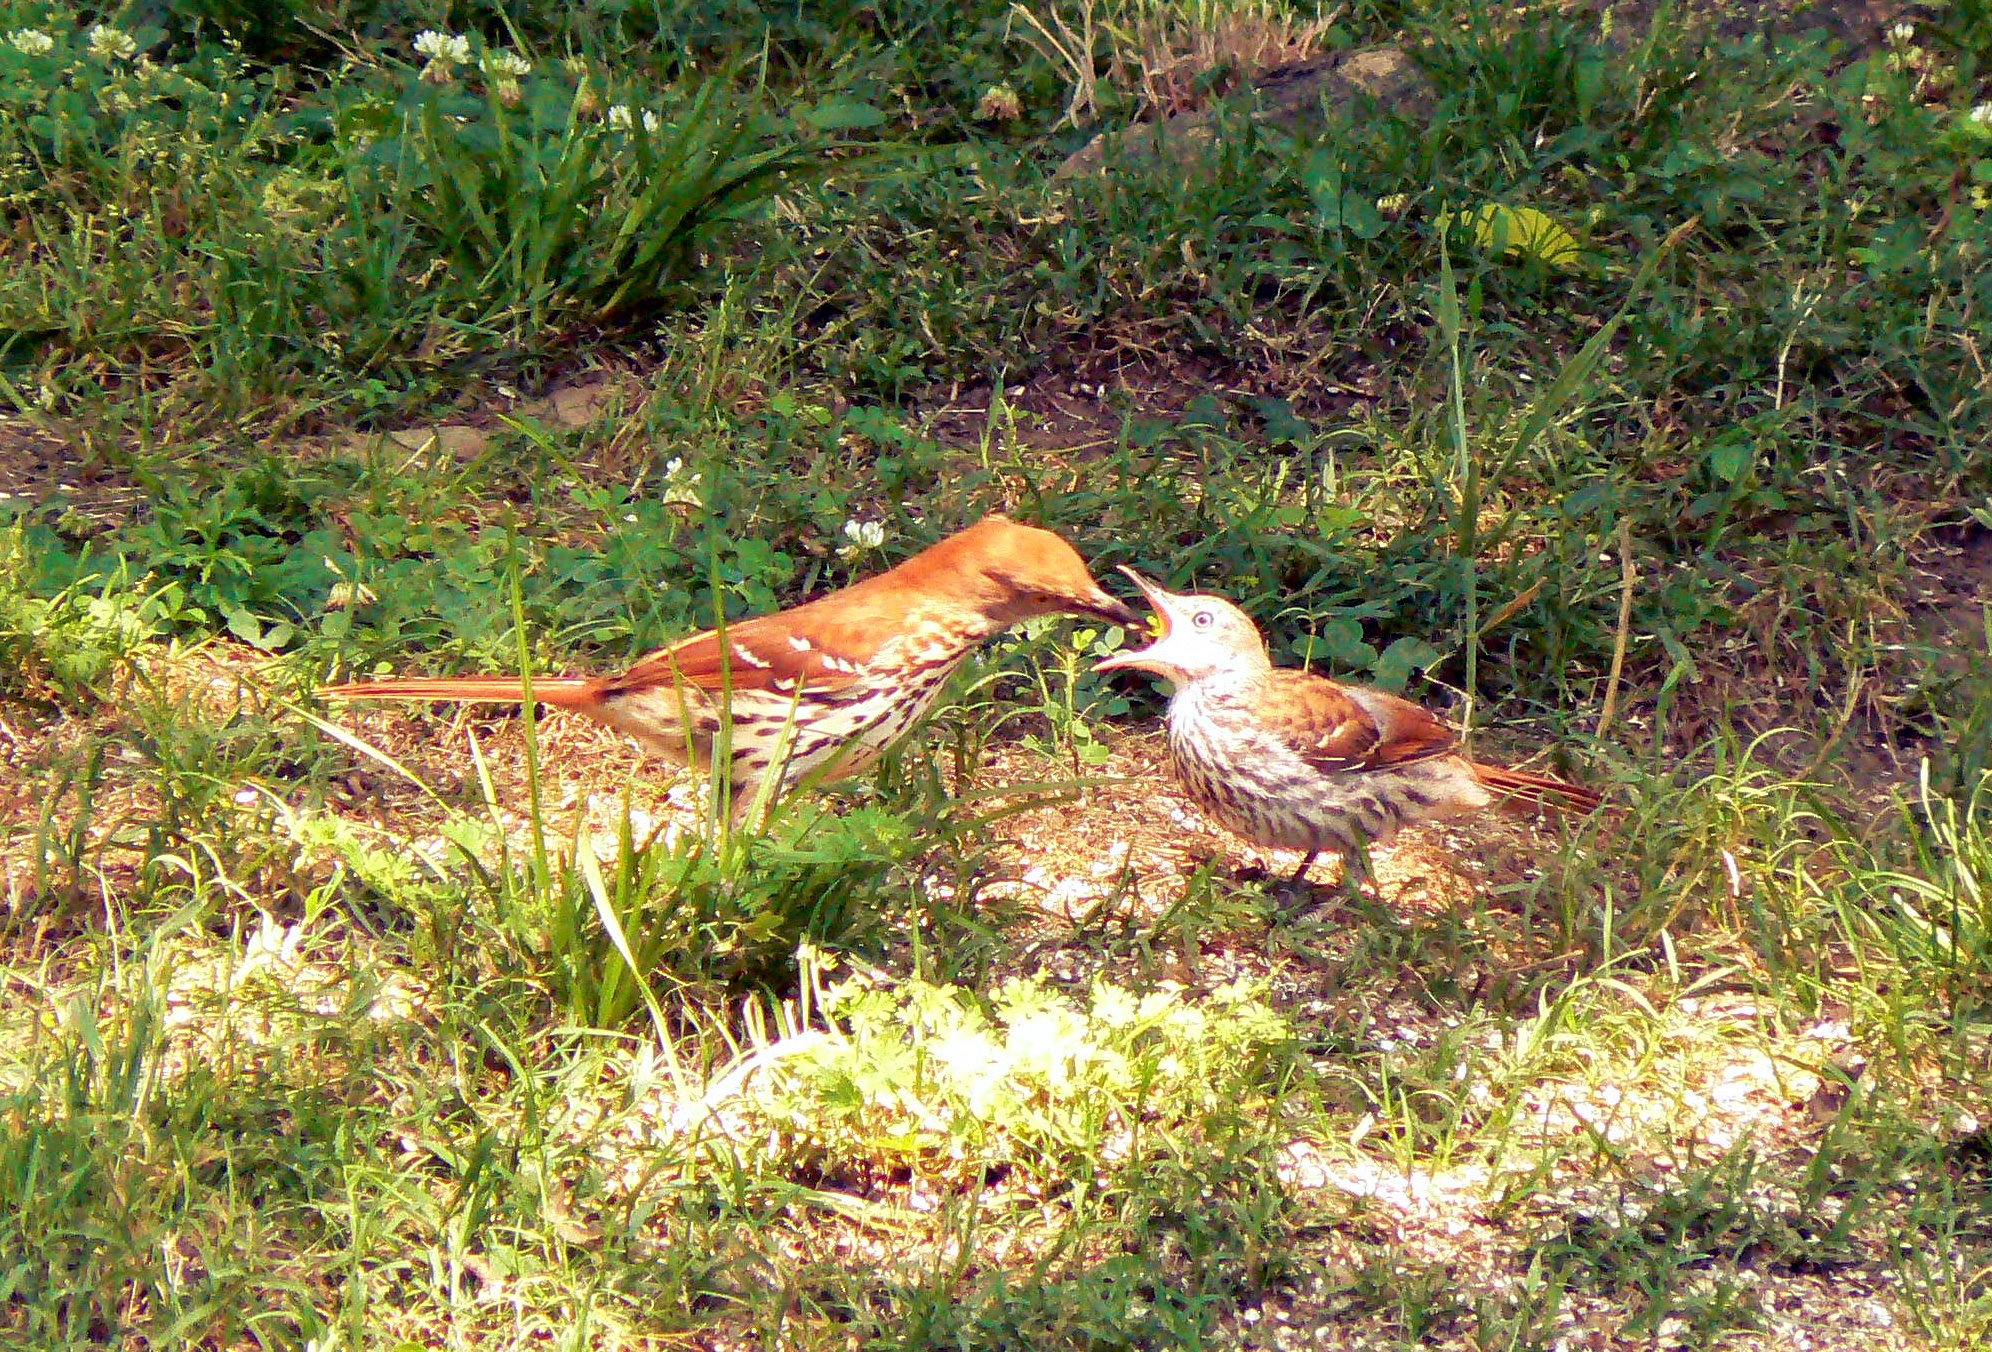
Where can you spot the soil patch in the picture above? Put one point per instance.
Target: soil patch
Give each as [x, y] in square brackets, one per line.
[40, 467]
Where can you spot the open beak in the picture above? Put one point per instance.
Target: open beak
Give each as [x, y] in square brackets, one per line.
[1159, 632]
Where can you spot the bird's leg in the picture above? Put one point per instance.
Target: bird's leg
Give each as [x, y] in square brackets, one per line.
[1294, 889]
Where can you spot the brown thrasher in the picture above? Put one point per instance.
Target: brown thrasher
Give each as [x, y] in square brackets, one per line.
[1291, 760]
[820, 690]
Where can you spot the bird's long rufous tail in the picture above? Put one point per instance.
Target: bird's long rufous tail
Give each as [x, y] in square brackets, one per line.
[562, 692]
[1538, 789]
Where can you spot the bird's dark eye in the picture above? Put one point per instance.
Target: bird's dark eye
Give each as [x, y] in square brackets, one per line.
[1204, 619]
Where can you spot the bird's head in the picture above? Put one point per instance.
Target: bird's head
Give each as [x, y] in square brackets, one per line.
[1195, 638]
[1012, 572]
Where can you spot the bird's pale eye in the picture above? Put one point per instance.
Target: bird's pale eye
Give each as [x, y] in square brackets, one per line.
[1204, 619]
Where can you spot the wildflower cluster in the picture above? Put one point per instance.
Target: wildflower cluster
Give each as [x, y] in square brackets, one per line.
[620, 118]
[104, 43]
[444, 53]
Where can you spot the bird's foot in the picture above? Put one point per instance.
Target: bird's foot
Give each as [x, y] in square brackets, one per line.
[1288, 891]
[1293, 895]
[1296, 894]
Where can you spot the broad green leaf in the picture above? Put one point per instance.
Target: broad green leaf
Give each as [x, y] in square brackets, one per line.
[244, 625]
[1360, 216]
[843, 115]
[1322, 177]
[1402, 658]
[1341, 642]
[1520, 232]
[1729, 460]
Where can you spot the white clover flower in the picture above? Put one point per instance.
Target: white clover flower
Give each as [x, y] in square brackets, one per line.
[445, 52]
[622, 118]
[506, 65]
[452, 49]
[1393, 203]
[31, 41]
[112, 44]
[1981, 116]
[864, 536]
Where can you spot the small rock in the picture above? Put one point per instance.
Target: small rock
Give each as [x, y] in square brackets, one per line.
[579, 405]
[455, 439]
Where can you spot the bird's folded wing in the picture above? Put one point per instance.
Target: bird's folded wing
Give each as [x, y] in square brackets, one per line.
[1339, 729]
[758, 654]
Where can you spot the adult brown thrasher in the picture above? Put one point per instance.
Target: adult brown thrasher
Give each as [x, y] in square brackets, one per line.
[1291, 760]
[818, 691]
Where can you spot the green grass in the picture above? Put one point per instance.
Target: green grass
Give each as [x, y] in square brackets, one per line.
[350, 1029]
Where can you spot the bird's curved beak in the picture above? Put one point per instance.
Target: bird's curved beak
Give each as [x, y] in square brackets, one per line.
[1106, 606]
[1159, 634]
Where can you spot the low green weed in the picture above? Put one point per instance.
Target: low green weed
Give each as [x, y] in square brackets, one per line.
[930, 1077]
[1930, 917]
[68, 642]
[693, 916]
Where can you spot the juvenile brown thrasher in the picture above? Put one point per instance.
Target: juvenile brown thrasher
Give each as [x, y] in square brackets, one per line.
[1291, 760]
